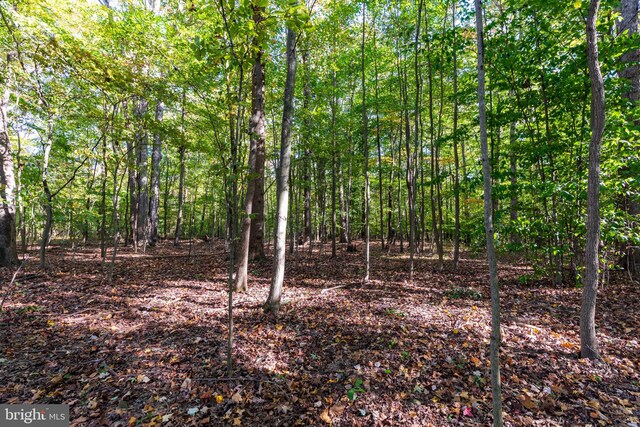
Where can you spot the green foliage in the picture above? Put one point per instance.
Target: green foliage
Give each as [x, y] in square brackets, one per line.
[463, 293]
[355, 388]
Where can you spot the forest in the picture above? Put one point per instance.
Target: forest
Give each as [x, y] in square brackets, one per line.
[321, 212]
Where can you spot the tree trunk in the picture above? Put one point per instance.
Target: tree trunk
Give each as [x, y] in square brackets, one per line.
[182, 151]
[257, 137]
[156, 158]
[456, 160]
[496, 387]
[306, 178]
[272, 304]
[631, 72]
[48, 208]
[378, 142]
[181, 156]
[588, 341]
[412, 150]
[140, 112]
[365, 144]
[133, 193]
[513, 165]
[8, 249]
[256, 236]
[334, 162]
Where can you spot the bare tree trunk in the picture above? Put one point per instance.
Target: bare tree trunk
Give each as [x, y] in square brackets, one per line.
[257, 137]
[412, 149]
[272, 304]
[48, 208]
[154, 199]
[8, 249]
[344, 208]
[365, 143]
[103, 201]
[456, 160]
[588, 340]
[140, 112]
[181, 151]
[334, 161]
[631, 72]
[496, 387]
[378, 142]
[133, 193]
[256, 240]
[306, 178]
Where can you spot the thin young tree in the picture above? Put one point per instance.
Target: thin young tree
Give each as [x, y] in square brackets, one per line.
[588, 340]
[365, 143]
[488, 225]
[456, 159]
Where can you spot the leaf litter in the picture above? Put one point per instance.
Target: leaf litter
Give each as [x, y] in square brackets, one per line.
[150, 349]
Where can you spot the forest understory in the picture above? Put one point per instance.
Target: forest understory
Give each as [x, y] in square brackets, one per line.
[150, 348]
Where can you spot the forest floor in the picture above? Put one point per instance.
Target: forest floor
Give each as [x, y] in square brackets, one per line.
[150, 348]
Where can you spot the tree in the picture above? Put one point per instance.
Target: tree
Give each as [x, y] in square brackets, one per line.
[628, 26]
[365, 144]
[8, 249]
[156, 158]
[496, 387]
[256, 138]
[272, 305]
[588, 339]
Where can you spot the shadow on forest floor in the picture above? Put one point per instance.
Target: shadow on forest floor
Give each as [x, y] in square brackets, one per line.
[151, 348]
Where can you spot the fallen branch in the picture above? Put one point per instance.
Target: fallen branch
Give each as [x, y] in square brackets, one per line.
[336, 287]
[13, 280]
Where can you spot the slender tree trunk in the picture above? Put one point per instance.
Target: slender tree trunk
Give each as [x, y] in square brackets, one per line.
[378, 142]
[8, 249]
[165, 202]
[154, 199]
[103, 201]
[140, 112]
[257, 137]
[272, 304]
[334, 162]
[588, 340]
[631, 72]
[456, 160]
[496, 387]
[182, 150]
[133, 193]
[48, 202]
[513, 164]
[365, 143]
[306, 178]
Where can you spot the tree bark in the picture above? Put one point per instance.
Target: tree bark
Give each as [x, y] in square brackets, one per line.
[272, 304]
[156, 158]
[306, 177]
[48, 208]
[496, 387]
[182, 150]
[257, 137]
[365, 144]
[140, 112]
[631, 72]
[8, 248]
[588, 340]
[334, 163]
[456, 160]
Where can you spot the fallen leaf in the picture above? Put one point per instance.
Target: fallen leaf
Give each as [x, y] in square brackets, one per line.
[325, 417]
